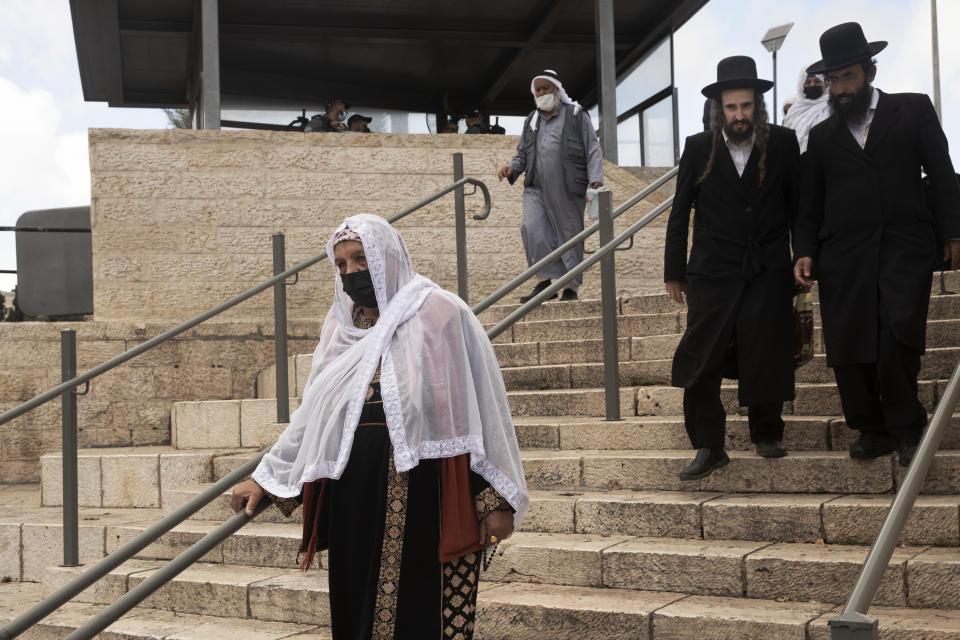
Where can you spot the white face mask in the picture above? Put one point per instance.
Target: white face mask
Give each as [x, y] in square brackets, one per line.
[546, 102]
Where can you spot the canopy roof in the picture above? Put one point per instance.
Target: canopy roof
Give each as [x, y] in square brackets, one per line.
[416, 55]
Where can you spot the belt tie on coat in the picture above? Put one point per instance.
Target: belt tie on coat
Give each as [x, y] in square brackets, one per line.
[751, 266]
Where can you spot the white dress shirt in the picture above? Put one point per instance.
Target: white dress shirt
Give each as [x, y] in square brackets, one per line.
[862, 130]
[740, 152]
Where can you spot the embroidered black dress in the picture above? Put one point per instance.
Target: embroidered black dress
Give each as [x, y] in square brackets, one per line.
[383, 531]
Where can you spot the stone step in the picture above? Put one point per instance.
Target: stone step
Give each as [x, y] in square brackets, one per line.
[799, 472]
[511, 611]
[516, 610]
[801, 433]
[127, 476]
[144, 623]
[936, 364]
[917, 576]
[224, 590]
[811, 399]
[832, 518]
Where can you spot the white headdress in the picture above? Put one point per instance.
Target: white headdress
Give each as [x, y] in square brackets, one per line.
[443, 394]
[804, 113]
[551, 75]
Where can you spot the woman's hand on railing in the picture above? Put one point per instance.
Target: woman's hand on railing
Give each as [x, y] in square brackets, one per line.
[676, 289]
[247, 493]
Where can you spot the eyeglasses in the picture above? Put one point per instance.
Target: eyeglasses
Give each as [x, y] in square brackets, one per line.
[847, 79]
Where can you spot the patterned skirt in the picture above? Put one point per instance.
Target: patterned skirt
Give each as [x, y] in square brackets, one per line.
[386, 581]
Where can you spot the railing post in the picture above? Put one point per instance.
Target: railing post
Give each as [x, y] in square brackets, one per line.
[68, 371]
[280, 330]
[608, 289]
[461, 222]
[854, 626]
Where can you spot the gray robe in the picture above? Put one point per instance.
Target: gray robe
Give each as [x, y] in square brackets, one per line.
[551, 214]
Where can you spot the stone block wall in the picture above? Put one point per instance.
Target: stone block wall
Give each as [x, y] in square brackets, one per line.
[131, 404]
[183, 219]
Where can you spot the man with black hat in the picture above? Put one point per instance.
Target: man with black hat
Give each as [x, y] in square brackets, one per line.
[561, 156]
[742, 177]
[866, 235]
[332, 120]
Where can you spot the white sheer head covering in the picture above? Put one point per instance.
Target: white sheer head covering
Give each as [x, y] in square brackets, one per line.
[805, 113]
[551, 76]
[443, 394]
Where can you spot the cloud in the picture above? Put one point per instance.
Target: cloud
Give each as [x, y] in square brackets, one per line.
[41, 166]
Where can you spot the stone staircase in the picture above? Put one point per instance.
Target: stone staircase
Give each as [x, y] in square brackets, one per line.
[614, 546]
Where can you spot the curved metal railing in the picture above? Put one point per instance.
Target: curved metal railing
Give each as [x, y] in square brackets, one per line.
[62, 595]
[130, 599]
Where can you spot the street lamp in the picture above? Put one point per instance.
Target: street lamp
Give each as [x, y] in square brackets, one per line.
[772, 42]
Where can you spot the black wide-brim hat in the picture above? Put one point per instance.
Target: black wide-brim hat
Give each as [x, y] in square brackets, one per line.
[736, 72]
[844, 45]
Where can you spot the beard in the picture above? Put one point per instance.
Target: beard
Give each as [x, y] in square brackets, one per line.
[738, 134]
[854, 110]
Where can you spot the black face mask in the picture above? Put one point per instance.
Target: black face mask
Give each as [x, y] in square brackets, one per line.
[359, 286]
[813, 92]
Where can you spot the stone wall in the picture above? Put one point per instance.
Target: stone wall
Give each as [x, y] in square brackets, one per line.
[131, 404]
[183, 219]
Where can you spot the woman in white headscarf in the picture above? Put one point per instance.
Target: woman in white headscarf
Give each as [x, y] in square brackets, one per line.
[809, 107]
[402, 452]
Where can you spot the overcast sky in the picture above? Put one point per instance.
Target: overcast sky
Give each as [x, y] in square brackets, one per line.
[44, 120]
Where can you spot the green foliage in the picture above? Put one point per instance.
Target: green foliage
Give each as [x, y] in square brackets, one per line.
[179, 118]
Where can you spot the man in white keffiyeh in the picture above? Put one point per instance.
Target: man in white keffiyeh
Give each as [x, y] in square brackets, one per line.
[561, 156]
[402, 452]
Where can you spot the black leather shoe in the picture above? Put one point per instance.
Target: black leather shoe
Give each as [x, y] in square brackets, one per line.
[569, 295]
[706, 462]
[543, 284]
[873, 446]
[771, 449]
[906, 451]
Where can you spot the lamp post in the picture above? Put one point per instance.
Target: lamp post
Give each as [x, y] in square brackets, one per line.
[936, 57]
[771, 42]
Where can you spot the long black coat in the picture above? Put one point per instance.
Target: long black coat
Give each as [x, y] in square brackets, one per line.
[739, 282]
[863, 222]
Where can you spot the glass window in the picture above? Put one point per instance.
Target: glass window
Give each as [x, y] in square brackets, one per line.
[651, 76]
[658, 134]
[628, 142]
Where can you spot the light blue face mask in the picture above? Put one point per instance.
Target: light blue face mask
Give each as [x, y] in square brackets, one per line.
[342, 117]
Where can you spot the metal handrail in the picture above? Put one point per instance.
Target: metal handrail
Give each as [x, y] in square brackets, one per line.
[551, 257]
[63, 595]
[854, 623]
[173, 568]
[57, 391]
[558, 284]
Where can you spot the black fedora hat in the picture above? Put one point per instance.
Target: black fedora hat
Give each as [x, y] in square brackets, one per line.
[844, 45]
[736, 72]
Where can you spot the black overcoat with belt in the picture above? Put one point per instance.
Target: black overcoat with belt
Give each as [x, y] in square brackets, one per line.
[865, 224]
[738, 277]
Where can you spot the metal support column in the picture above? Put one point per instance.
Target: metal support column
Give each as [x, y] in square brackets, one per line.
[280, 329]
[210, 64]
[608, 288]
[935, 41]
[775, 107]
[68, 371]
[607, 77]
[461, 226]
